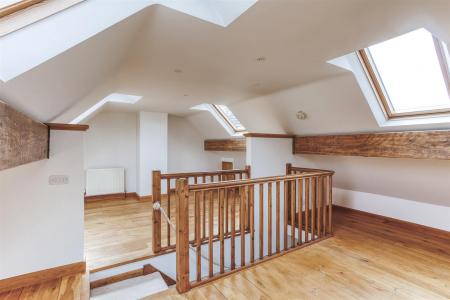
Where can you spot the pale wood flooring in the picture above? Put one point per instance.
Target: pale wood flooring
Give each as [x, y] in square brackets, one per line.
[117, 231]
[368, 258]
[74, 287]
[120, 230]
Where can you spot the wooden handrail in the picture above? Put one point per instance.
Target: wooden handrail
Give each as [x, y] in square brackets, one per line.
[301, 201]
[198, 174]
[158, 178]
[244, 182]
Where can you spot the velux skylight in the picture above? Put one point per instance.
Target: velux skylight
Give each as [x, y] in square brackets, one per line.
[229, 117]
[410, 74]
[225, 117]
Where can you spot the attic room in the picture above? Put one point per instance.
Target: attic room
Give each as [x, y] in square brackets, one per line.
[216, 149]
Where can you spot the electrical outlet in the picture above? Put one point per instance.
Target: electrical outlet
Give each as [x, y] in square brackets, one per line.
[58, 179]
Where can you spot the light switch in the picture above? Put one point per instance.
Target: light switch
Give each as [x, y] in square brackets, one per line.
[58, 179]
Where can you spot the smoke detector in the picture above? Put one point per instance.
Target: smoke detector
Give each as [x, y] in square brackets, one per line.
[301, 115]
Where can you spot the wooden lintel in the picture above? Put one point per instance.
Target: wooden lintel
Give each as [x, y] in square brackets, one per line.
[22, 140]
[269, 135]
[433, 144]
[70, 127]
[225, 145]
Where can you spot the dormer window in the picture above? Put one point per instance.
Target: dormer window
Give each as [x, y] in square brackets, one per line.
[409, 74]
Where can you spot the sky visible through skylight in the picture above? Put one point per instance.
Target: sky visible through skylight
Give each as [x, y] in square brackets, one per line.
[411, 73]
[231, 117]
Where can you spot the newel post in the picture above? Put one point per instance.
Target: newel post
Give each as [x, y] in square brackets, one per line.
[248, 170]
[288, 168]
[156, 197]
[182, 242]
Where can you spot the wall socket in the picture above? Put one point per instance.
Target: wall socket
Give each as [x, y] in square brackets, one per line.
[58, 179]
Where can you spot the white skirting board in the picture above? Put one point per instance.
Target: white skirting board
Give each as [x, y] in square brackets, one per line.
[430, 215]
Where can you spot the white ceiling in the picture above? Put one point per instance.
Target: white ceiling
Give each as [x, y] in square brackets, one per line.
[138, 56]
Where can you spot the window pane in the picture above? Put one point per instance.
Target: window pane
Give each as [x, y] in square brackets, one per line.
[410, 71]
[228, 114]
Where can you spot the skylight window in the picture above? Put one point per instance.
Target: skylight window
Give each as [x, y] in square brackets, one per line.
[224, 117]
[229, 117]
[410, 74]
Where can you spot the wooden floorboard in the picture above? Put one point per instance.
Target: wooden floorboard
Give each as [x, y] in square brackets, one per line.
[65, 288]
[120, 230]
[368, 258]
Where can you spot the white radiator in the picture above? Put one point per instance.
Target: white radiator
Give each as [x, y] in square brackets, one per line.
[105, 181]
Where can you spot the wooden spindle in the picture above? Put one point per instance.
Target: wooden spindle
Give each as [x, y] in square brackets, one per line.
[269, 218]
[221, 234]
[168, 211]
[233, 228]
[319, 206]
[261, 221]
[195, 180]
[300, 210]
[203, 179]
[211, 178]
[210, 233]
[204, 216]
[313, 209]
[307, 194]
[227, 217]
[324, 205]
[242, 212]
[277, 216]
[182, 236]
[286, 215]
[156, 198]
[330, 203]
[292, 200]
[252, 223]
[198, 197]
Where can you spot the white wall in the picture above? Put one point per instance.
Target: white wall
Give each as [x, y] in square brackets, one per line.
[268, 157]
[152, 146]
[186, 149]
[41, 225]
[111, 142]
[144, 142]
[402, 209]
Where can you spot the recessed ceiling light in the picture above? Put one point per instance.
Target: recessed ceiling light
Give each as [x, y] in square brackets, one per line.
[178, 71]
[185, 95]
[260, 59]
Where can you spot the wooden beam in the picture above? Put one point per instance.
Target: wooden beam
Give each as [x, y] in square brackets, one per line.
[269, 135]
[70, 127]
[409, 144]
[22, 140]
[225, 145]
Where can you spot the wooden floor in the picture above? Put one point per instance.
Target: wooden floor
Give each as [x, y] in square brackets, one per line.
[117, 231]
[368, 258]
[73, 287]
[120, 230]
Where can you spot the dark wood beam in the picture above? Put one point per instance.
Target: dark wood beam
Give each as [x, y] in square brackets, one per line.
[409, 144]
[225, 145]
[70, 127]
[269, 135]
[22, 140]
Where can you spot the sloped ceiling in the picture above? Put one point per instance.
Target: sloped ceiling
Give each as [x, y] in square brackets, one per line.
[217, 64]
